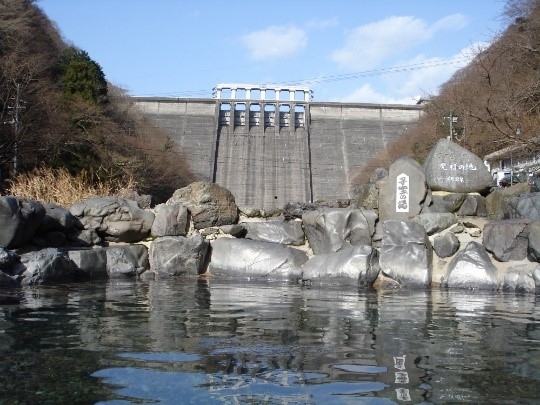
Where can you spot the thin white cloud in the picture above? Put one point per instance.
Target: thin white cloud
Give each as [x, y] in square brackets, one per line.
[322, 24]
[275, 43]
[407, 86]
[453, 22]
[367, 94]
[368, 45]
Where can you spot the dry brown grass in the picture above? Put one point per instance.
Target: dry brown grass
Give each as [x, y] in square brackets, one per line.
[59, 186]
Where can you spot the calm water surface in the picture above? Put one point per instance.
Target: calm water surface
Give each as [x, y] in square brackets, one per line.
[188, 341]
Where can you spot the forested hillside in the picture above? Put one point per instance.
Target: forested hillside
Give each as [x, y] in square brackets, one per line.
[57, 109]
[494, 101]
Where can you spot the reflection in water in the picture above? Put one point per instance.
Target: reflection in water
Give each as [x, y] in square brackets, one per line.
[196, 341]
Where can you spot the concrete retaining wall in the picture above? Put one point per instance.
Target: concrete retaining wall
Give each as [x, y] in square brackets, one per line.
[268, 166]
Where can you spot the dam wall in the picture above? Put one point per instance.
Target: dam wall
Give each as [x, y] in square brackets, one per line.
[190, 123]
[269, 153]
[344, 137]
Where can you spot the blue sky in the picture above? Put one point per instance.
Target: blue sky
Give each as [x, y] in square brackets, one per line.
[387, 51]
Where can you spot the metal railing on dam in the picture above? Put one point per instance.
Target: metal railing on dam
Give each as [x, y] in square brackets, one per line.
[269, 152]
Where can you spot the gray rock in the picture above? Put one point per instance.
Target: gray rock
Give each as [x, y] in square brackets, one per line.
[47, 266]
[406, 254]
[170, 220]
[116, 219]
[368, 194]
[445, 202]
[350, 266]
[126, 260]
[497, 206]
[208, 203]
[526, 206]
[92, 263]
[250, 212]
[245, 258]
[329, 230]
[85, 237]
[449, 167]
[58, 218]
[474, 205]
[471, 268]
[507, 239]
[296, 210]
[144, 201]
[20, 219]
[446, 245]
[287, 233]
[403, 192]
[435, 222]
[536, 276]
[534, 240]
[236, 230]
[518, 281]
[378, 174]
[8, 259]
[178, 255]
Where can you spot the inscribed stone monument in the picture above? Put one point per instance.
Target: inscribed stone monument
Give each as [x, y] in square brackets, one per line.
[449, 167]
[403, 192]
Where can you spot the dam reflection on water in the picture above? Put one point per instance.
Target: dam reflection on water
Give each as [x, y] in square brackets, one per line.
[189, 341]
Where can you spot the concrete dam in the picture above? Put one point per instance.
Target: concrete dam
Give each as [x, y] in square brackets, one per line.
[271, 145]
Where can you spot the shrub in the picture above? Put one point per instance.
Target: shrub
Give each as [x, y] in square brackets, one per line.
[59, 186]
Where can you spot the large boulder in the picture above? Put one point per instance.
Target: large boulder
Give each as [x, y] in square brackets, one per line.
[329, 230]
[474, 205]
[525, 206]
[450, 167]
[178, 255]
[92, 263]
[519, 280]
[472, 269]
[497, 206]
[208, 203]
[171, 220]
[507, 239]
[115, 219]
[48, 265]
[368, 194]
[443, 201]
[446, 245]
[251, 259]
[403, 192]
[20, 219]
[287, 233]
[58, 218]
[126, 260]
[534, 240]
[434, 222]
[406, 254]
[350, 266]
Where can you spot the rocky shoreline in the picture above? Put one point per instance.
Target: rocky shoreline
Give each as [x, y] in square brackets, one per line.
[440, 225]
